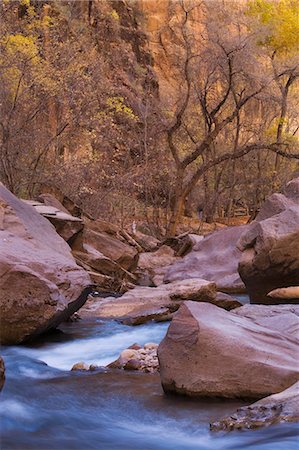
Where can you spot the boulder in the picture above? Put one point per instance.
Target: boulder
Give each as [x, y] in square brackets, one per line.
[2, 373]
[40, 282]
[215, 258]
[157, 315]
[277, 408]
[270, 248]
[117, 251]
[148, 243]
[141, 304]
[291, 190]
[270, 257]
[226, 301]
[209, 352]
[275, 204]
[184, 243]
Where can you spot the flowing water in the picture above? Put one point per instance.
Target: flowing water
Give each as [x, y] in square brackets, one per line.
[44, 406]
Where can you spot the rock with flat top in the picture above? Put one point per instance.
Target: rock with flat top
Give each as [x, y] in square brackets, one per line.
[147, 302]
[66, 225]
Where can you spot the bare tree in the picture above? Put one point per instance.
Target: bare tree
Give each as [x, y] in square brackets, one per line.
[222, 82]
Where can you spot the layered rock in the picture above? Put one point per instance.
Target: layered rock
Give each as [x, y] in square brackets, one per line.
[149, 302]
[215, 258]
[270, 248]
[209, 352]
[66, 225]
[277, 408]
[40, 282]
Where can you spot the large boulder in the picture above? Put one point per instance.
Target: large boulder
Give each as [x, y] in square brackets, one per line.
[270, 248]
[40, 282]
[215, 258]
[270, 257]
[209, 352]
[277, 408]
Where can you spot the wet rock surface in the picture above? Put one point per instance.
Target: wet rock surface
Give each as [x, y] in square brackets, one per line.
[277, 408]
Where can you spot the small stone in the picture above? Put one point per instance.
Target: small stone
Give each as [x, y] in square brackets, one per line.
[93, 367]
[132, 364]
[127, 354]
[151, 346]
[135, 346]
[80, 366]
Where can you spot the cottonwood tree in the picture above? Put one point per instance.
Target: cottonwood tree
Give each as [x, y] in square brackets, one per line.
[224, 82]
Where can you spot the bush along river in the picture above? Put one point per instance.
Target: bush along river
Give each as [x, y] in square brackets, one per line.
[46, 406]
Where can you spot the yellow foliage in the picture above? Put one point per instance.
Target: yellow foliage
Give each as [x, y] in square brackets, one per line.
[117, 104]
[114, 15]
[18, 44]
[280, 21]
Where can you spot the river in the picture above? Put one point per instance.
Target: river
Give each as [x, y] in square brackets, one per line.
[45, 406]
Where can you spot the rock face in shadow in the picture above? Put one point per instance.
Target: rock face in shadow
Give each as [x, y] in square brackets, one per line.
[209, 352]
[277, 408]
[270, 248]
[40, 282]
[2, 373]
[215, 258]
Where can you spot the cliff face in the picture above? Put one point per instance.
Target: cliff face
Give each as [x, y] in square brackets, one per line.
[169, 25]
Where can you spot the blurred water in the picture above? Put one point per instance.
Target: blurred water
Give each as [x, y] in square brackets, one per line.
[47, 407]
